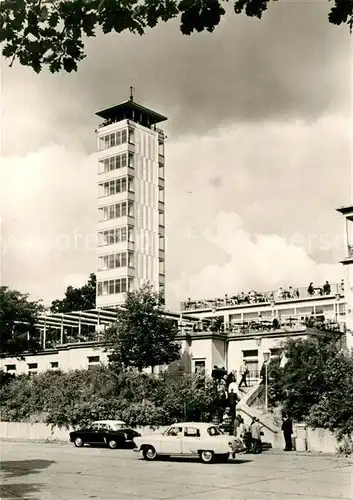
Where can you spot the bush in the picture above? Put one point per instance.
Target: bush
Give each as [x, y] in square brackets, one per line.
[77, 397]
[345, 448]
[315, 385]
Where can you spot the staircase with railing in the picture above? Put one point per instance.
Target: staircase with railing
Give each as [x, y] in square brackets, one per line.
[248, 408]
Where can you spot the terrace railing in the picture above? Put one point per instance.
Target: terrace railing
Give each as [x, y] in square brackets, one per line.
[265, 297]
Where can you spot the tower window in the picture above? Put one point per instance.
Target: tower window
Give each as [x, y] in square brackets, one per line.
[111, 287]
[113, 163]
[112, 261]
[113, 139]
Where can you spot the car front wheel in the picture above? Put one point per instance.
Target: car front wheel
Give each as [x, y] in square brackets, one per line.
[78, 442]
[149, 453]
[112, 444]
[206, 456]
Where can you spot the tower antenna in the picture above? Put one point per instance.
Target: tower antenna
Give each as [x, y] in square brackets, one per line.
[132, 93]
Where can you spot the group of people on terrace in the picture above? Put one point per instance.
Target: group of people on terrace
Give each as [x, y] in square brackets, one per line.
[259, 324]
[254, 297]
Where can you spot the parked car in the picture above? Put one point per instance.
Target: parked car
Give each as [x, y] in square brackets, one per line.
[113, 433]
[204, 440]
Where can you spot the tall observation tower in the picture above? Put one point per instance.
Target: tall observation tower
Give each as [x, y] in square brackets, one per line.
[131, 227]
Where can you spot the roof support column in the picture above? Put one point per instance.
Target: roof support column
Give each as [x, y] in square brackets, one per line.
[79, 327]
[62, 330]
[45, 332]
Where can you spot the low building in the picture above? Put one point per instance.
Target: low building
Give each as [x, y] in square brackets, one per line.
[218, 333]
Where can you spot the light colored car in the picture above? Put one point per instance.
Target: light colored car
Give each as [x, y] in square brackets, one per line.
[189, 439]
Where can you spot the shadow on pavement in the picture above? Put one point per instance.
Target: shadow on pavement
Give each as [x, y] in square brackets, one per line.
[19, 490]
[19, 468]
[197, 460]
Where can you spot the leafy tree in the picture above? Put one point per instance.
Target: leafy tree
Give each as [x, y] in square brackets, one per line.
[18, 318]
[142, 337]
[77, 299]
[50, 32]
[315, 385]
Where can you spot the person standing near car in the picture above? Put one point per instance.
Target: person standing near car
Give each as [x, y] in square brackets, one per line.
[247, 438]
[256, 436]
[232, 403]
[287, 428]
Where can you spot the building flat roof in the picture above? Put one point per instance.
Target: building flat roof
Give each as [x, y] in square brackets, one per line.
[91, 317]
[128, 110]
[345, 210]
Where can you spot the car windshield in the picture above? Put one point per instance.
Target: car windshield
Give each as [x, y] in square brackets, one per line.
[118, 427]
[172, 431]
[214, 431]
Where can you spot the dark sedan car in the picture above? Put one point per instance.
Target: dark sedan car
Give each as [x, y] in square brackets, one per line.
[113, 433]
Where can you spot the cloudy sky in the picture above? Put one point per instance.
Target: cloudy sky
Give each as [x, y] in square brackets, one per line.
[258, 153]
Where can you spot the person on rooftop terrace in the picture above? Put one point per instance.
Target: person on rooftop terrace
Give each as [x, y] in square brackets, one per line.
[327, 288]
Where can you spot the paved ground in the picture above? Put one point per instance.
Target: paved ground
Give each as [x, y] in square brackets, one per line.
[60, 471]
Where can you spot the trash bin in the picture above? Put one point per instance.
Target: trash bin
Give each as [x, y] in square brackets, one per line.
[300, 441]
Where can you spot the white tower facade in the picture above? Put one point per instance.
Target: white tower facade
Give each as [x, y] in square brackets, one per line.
[131, 214]
[347, 212]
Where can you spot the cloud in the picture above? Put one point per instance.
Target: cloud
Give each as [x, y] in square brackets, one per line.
[251, 261]
[279, 178]
[48, 219]
[290, 65]
[259, 122]
[75, 280]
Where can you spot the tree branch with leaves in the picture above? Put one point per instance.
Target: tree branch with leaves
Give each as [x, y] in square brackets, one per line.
[142, 336]
[18, 318]
[51, 33]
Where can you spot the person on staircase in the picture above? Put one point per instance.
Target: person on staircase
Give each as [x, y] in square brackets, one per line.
[243, 370]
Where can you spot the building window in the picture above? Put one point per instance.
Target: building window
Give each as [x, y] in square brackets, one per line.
[116, 211]
[161, 149]
[253, 353]
[161, 195]
[10, 368]
[250, 316]
[161, 170]
[131, 136]
[199, 365]
[114, 186]
[161, 243]
[131, 260]
[161, 218]
[304, 311]
[111, 287]
[112, 261]
[54, 364]
[93, 359]
[162, 267]
[113, 163]
[32, 368]
[113, 139]
[253, 367]
[112, 236]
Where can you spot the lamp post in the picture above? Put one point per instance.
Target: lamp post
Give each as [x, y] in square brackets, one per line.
[266, 360]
